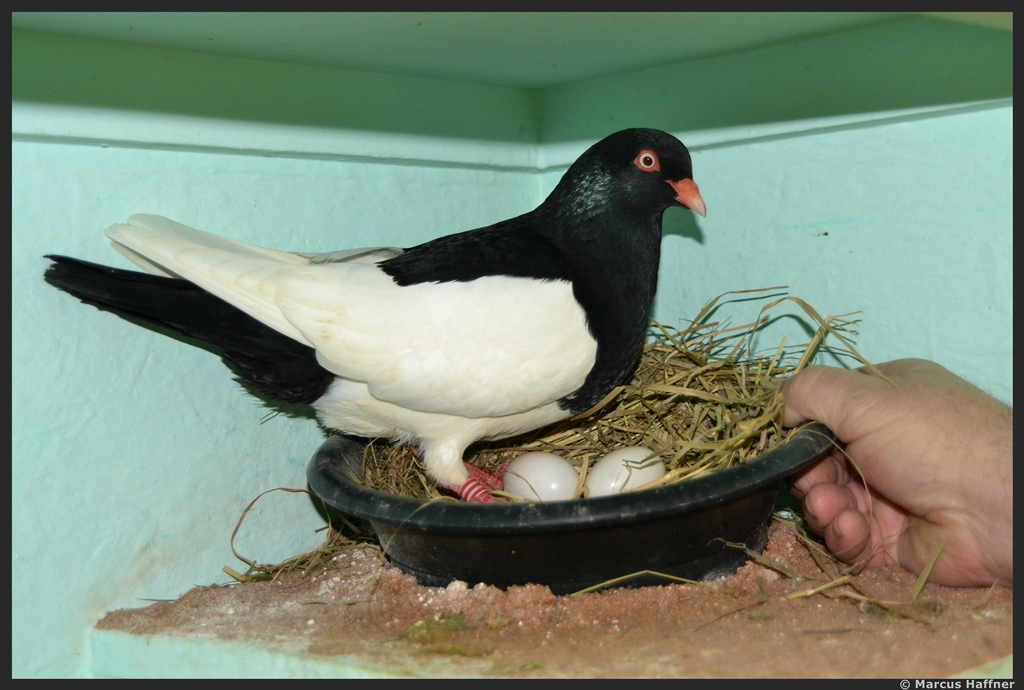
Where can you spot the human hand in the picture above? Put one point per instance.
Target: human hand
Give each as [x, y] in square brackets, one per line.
[937, 455]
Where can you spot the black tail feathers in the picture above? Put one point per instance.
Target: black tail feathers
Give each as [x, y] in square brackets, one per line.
[274, 364]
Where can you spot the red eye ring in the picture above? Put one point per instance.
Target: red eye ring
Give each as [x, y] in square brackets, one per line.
[647, 161]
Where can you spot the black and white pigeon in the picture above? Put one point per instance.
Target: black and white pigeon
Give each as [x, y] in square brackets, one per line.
[478, 335]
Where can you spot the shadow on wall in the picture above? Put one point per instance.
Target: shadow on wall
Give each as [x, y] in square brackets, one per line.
[681, 222]
[908, 63]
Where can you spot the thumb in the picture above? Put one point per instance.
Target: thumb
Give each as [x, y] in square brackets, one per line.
[831, 396]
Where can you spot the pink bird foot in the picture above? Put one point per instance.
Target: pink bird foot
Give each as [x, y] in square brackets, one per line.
[479, 485]
[493, 482]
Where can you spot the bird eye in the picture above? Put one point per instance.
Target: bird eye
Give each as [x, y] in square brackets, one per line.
[647, 161]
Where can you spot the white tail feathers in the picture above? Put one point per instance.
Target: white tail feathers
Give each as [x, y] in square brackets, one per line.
[171, 229]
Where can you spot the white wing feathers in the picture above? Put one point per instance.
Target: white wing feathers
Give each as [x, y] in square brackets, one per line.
[490, 347]
[228, 269]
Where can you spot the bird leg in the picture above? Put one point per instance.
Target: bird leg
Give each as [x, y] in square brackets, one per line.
[477, 487]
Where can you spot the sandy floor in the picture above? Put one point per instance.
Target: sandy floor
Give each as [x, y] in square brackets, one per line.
[743, 625]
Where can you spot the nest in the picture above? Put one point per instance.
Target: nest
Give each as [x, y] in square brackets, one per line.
[699, 399]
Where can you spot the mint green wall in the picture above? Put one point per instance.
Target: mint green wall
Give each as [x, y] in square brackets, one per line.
[133, 454]
[907, 64]
[910, 222]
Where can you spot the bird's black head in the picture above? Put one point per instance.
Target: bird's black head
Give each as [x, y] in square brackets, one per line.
[633, 171]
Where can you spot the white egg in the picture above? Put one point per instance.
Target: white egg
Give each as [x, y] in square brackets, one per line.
[623, 470]
[539, 476]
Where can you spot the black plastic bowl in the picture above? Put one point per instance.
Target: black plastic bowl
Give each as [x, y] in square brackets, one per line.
[676, 529]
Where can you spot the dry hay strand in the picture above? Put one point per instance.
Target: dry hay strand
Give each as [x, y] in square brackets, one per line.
[339, 544]
[846, 585]
[699, 399]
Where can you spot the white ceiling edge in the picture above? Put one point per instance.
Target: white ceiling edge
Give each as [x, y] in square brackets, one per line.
[131, 129]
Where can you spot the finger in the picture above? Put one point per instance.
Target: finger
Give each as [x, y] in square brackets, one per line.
[824, 503]
[848, 536]
[830, 396]
[826, 471]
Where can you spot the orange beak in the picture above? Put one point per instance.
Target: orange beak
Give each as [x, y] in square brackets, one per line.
[689, 196]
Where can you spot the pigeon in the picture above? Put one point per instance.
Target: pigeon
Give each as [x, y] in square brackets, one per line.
[482, 334]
